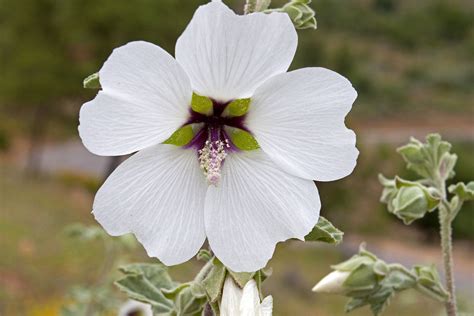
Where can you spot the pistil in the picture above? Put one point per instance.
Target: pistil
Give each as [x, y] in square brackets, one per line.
[211, 158]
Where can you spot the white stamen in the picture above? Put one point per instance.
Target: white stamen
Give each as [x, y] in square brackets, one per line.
[211, 157]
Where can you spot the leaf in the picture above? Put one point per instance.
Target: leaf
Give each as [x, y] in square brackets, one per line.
[92, 81]
[355, 303]
[380, 301]
[173, 293]
[156, 273]
[139, 288]
[326, 232]
[464, 191]
[85, 233]
[214, 281]
[187, 304]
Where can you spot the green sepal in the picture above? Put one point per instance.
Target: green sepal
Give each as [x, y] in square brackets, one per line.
[373, 282]
[92, 82]
[326, 232]
[353, 263]
[265, 273]
[362, 278]
[243, 140]
[183, 135]
[241, 278]
[201, 104]
[464, 191]
[214, 281]
[237, 108]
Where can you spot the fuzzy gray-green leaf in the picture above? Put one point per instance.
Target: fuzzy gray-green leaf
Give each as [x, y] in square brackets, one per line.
[326, 232]
[214, 281]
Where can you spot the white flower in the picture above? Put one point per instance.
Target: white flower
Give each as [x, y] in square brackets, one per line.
[259, 197]
[332, 283]
[134, 308]
[246, 302]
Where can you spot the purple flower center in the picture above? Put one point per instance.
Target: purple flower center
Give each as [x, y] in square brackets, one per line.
[213, 128]
[212, 142]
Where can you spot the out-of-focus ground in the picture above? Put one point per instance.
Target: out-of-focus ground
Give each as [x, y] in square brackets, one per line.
[410, 61]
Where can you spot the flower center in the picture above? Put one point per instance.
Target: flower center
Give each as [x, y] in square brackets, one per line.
[212, 141]
[214, 129]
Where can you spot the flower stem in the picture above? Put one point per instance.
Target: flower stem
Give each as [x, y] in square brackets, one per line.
[447, 248]
[250, 6]
[445, 220]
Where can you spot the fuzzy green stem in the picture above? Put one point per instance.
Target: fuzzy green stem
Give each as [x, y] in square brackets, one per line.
[445, 220]
[447, 249]
[250, 6]
[204, 271]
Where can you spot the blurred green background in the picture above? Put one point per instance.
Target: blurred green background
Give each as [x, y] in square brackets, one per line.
[412, 63]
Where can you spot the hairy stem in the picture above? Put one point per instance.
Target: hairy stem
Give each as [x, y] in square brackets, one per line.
[445, 220]
[447, 249]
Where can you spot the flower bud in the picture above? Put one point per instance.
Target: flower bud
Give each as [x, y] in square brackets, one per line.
[301, 14]
[332, 283]
[412, 201]
[431, 160]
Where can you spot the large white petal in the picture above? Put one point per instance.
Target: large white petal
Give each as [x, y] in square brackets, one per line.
[158, 194]
[227, 55]
[256, 205]
[298, 120]
[145, 98]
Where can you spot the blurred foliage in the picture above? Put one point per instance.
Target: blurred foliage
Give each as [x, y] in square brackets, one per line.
[73, 179]
[415, 56]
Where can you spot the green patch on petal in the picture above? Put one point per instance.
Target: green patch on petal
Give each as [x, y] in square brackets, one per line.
[243, 140]
[182, 136]
[201, 104]
[236, 108]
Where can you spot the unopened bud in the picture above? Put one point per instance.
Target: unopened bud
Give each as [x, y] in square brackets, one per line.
[413, 201]
[332, 283]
